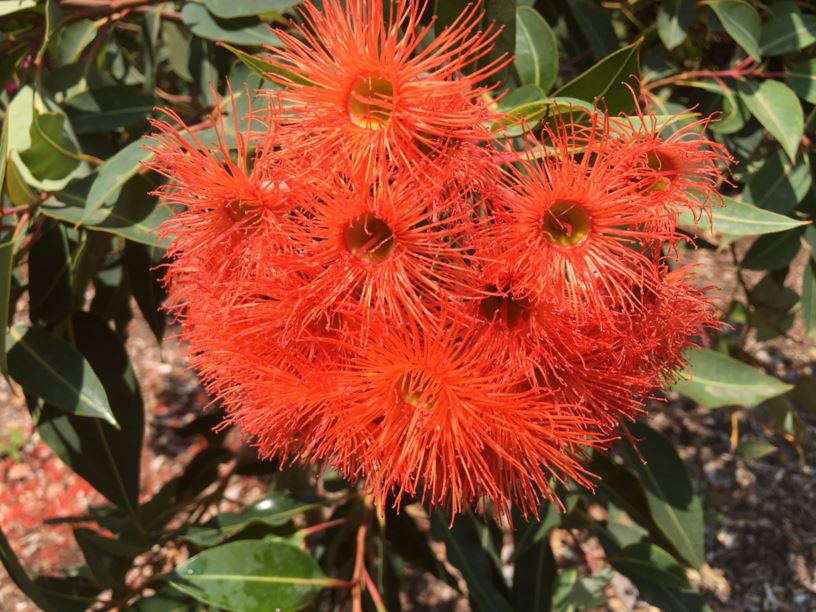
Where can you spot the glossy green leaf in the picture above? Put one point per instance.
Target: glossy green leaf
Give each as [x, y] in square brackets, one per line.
[716, 380]
[650, 562]
[674, 18]
[742, 23]
[142, 264]
[534, 576]
[6, 270]
[251, 576]
[779, 185]
[74, 38]
[773, 251]
[737, 218]
[778, 109]
[229, 9]
[802, 80]
[274, 509]
[466, 553]
[48, 367]
[52, 155]
[51, 297]
[167, 599]
[809, 296]
[787, 32]
[134, 214]
[243, 31]
[755, 449]
[536, 49]
[106, 457]
[735, 114]
[596, 26]
[672, 502]
[17, 189]
[7, 7]
[528, 115]
[115, 172]
[260, 66]
[606, 80]
[666, 598]
[105, 109]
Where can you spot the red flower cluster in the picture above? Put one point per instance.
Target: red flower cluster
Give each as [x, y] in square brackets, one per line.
[369, 277]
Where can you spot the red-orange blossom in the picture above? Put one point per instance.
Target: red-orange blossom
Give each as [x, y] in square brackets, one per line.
[365, 281]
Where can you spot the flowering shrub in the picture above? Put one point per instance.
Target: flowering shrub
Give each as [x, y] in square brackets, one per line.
[410, 271]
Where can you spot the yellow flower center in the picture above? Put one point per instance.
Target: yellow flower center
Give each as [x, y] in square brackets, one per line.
[370, 101]
[565, 224]
[414, 391]
[369, 239]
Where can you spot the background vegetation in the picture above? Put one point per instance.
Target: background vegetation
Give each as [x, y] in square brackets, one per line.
[78, 255]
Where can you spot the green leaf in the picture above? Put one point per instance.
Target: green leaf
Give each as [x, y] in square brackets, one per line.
[52, 155]
[7, 247]
[3, 151]
[536, 49]
[466, 553]
[74, 38]
[742, 23]
[527, 115]
[274, 509]
[107, 458]
[755, 449]
[166, 599]
[779, 185]
[734, 116]
[737, 218]
[48, 367]
[108, 108]
[674, 18]
[773, 251]
[534, 577]
[665, 598]
[7, 7]
[596, 26]
[134, 214]
[142, 264]
[786, 32]
[18, 574]
[778, 109]
[251, 575]
[606, 80]
[649, 562]
[230, 9]
[260, 66]
[809, 296]
[579, 593]
[672, 501]
[243, 31]
[802, 80]
[115, 172]
[716, 380]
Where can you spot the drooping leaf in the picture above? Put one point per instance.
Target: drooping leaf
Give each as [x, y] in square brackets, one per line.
[251, 575]
[737, 218]
[467, 554]
[773, 251]
[536, 49]
[230, 9]
[106, 457]
[674, 18]
[52, 155]
[105, 109]
[115, 172]
[802, 80]
[134, 214]
[742, 23]
[606, 80]
[48, 367]
[716, 380]
[779, 185]
[141, 263]
[248, 31]
[778, 109]
[809, 296]
[672, 502]
[273, 509]
[786, 32]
